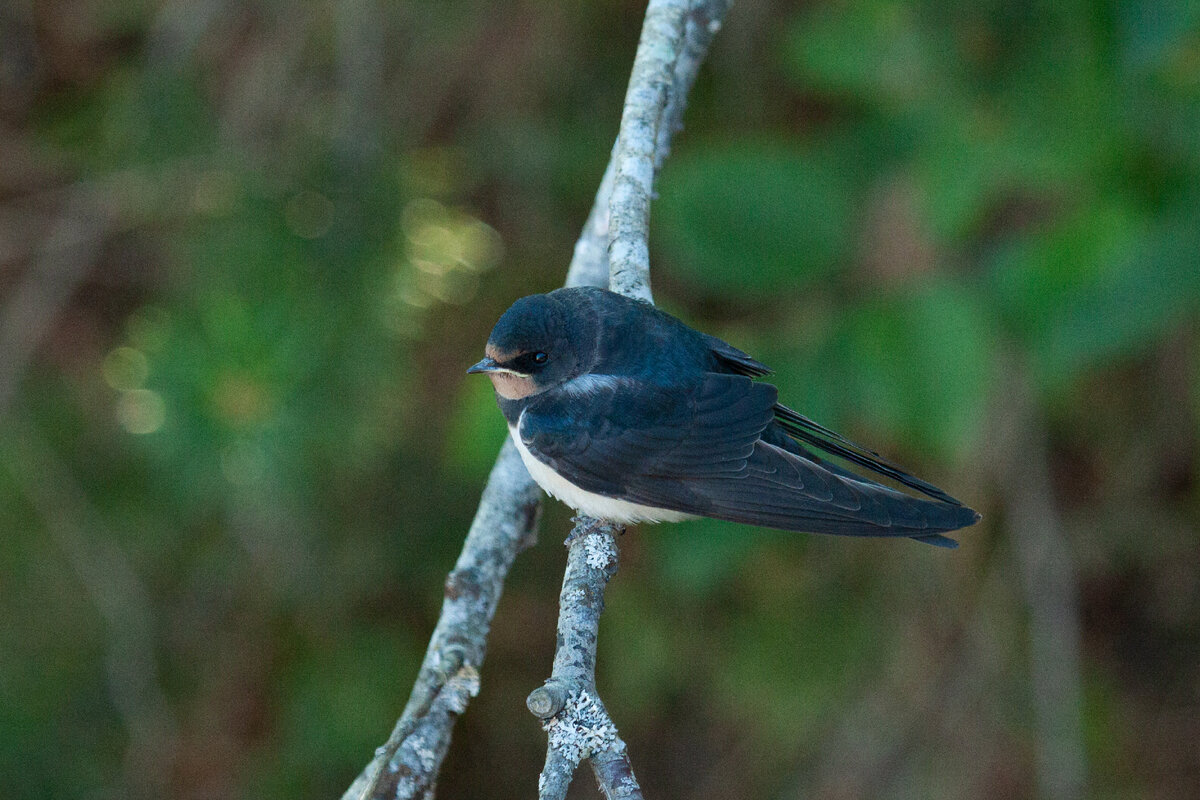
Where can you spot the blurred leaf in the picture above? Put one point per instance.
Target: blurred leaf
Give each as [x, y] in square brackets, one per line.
[975, 159]
[1129, 307]
[921, 365]
[1158, 34]
[1036, 277]
[752, 218]
[875, 50]
[1160, 60]
[1098, 286]
[981, 123]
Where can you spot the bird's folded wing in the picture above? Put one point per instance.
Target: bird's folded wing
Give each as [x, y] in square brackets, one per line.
[626, 430]
[698, 449]
[804, 429]
[734, 360]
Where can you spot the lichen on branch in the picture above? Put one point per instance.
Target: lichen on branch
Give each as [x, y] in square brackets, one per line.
[613, 249]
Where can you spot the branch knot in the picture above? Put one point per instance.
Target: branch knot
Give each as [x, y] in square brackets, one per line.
[548, 699]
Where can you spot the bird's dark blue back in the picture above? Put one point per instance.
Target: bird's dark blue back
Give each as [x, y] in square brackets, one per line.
[635, 339]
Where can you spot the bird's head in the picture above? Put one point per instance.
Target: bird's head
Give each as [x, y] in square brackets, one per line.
[531, 349]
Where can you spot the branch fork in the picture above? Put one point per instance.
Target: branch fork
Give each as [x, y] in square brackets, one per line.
[612, 250]
[577, 724]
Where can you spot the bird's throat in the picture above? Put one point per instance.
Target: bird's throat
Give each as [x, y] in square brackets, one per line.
[511, 386]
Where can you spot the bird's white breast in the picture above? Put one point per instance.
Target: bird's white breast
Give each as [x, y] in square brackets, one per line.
[590, 503]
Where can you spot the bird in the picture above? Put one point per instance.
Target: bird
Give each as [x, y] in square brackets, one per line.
[626, 413]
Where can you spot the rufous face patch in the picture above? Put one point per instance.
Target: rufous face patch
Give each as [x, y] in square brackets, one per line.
[511, 385]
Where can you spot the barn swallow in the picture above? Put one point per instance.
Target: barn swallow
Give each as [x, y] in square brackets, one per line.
[625, 413]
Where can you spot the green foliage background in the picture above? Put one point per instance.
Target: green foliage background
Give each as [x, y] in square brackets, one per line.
[247, 251]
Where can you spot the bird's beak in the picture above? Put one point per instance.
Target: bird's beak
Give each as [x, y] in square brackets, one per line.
[484, 367]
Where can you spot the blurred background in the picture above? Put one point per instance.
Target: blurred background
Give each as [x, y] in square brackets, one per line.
[248, 249]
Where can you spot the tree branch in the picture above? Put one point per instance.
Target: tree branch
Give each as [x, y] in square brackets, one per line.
[572, 713]
[675, 37]
[406, 766]
[699, 21]
[674, 40]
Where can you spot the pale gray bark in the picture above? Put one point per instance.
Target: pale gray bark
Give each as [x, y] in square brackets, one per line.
[611, 250]
[668, 58]
[407, 765]
[675, 37]
[573, 715]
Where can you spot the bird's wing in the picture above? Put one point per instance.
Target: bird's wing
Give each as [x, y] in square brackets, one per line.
[734, 360]
[805, 430]
[614, 433]
[699, 450]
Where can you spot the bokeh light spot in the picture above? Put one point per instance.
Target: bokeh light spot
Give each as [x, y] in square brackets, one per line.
[141, 411]
[412, 296]
[447, 249]
[482, 247]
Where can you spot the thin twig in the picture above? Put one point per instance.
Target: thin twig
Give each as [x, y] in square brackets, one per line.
[690, 27]
[650, 85]
[1044, 559]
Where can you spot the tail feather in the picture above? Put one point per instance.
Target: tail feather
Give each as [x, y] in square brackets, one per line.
[828, 441]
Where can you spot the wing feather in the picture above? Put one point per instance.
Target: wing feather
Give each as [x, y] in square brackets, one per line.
[820, 437]
[701, 450]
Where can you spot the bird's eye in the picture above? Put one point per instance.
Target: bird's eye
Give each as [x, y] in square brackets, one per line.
[540, 358]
